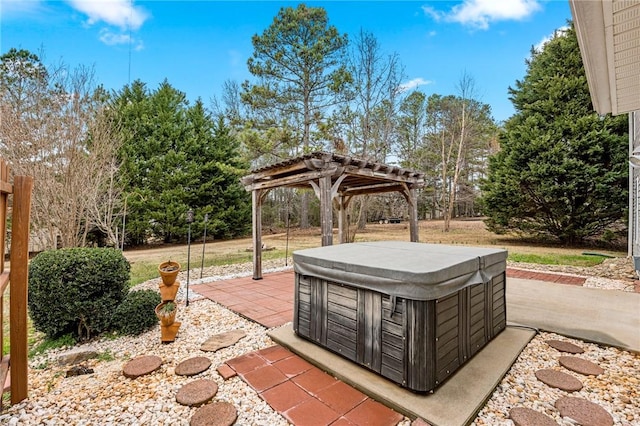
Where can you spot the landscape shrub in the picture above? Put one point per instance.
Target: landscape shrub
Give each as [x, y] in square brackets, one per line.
[135, 315]
[76, 290]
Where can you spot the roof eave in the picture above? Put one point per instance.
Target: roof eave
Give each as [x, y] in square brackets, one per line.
[590, 25]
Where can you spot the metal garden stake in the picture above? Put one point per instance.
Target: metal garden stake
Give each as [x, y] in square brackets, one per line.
[189, 221]
[204, 242]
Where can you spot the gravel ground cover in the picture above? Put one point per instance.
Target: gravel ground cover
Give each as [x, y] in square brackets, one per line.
[106, 397]
[617, 390]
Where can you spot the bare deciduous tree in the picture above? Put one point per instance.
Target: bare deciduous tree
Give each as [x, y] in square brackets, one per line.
[105, 205]
[51, 129]
[364, 127]
[460, 129]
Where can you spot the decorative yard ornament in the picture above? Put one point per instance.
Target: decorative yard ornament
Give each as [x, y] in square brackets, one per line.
[167, 309]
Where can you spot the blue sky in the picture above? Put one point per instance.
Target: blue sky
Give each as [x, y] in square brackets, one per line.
[197, 45]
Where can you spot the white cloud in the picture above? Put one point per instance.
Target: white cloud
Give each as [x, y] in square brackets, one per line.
[112, 39]
[107, 37]
[20, 8]
[119, 13]
[436, 15]
[412, 84]
[138, 45]
[538, 47]
[480, 13]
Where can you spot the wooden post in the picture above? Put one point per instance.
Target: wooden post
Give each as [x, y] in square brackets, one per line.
[413, 215]
[342, 220]
[256, 213]
[5, 190]
[326, 211]
[22, 187]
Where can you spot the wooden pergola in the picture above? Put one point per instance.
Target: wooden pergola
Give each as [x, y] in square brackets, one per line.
[335, 179]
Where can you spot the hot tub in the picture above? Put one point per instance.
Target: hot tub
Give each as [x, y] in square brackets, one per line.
[411, 312]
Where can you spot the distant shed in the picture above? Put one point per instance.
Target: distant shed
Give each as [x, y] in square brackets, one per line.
[335, 179]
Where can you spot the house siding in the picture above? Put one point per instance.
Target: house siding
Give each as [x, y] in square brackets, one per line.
[634, 186]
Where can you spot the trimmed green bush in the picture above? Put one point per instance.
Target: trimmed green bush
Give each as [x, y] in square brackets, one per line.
[76, 290]
[135, 315]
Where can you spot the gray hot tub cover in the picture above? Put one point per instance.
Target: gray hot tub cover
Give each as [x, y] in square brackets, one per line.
[415, 271]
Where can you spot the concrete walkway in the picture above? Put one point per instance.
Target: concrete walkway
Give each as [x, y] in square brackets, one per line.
[608, 317]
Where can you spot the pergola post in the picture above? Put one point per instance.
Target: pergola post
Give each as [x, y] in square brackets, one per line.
[326, 211]
[256, 217]
[342, 219]
[413, 215]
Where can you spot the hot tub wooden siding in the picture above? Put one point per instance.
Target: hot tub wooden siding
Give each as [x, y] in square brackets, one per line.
[415, 343]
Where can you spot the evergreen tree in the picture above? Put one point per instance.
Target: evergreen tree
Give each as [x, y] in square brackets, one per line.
[562, 169]
[176, 158]
[298, 62]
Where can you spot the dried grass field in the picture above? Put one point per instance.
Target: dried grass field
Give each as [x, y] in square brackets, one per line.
[279, 242]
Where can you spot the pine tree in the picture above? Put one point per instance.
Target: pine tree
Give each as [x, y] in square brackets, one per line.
[298, 63]
[562, 169]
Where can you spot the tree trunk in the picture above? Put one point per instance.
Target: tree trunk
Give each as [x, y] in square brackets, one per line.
[456, 173]
[362, 214]
[304, 210]
[445, 202]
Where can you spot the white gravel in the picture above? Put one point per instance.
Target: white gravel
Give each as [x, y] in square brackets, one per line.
[617, 390]
[106, 397]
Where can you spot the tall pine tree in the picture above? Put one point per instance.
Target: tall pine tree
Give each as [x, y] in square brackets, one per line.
[298, 62]
[562, 169]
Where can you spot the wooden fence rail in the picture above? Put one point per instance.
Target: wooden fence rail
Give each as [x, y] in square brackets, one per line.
[15, 279]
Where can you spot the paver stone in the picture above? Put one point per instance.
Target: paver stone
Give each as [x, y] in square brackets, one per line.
[586, 413]
[193, 366]
[558, 379]
[523, 416]
[141, 366]
[197, 392]
[580, 365]
[215, 414]
[564, 346]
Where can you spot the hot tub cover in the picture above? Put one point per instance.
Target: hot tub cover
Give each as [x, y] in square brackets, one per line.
[414, 271]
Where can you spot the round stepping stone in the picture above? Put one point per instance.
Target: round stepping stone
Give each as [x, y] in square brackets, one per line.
[197, 392]
[558, 379]
[563, 346]
[193, 366]
[215, 414]
[142, 365]
[522, 416]
[586, 413]
[580, 365]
